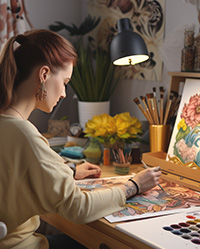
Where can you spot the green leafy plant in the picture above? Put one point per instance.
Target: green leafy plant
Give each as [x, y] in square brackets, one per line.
[86, 26]
[93, 78]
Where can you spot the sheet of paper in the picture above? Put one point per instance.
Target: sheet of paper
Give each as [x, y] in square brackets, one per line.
[150, 204]
[101, 183]
[155, 203]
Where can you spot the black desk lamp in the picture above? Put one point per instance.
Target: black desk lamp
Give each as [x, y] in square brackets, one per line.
[127, 47]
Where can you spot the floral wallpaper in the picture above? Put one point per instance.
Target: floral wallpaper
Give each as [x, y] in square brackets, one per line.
[13, 19]
[184, 146]
[147, 18]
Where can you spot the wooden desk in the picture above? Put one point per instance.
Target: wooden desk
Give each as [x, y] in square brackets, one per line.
[99, 234]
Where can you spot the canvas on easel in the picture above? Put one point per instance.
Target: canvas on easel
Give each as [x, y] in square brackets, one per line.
[184, 147]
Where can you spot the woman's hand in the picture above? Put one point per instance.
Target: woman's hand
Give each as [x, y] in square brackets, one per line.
[87, 170]
[147, 179]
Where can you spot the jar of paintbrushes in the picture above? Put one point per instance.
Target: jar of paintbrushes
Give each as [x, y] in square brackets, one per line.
[159, 115]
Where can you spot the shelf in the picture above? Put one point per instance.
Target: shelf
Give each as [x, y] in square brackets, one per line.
[185, 74]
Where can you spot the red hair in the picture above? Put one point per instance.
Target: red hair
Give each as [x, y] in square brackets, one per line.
[37, 47]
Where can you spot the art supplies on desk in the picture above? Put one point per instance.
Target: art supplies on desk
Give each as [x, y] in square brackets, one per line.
[180, 230]
[74, 152]
[155, 203]
[150, 204]
[155, 110]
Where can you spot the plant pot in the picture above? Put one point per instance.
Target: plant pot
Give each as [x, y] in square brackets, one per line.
[122, 168]
[87, 110]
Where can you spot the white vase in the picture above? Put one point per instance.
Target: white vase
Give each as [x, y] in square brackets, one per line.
[87, 110]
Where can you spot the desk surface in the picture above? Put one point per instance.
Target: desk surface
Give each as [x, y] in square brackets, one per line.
[101, 233]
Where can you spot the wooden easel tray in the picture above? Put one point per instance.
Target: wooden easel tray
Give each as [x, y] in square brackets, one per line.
[180, 173]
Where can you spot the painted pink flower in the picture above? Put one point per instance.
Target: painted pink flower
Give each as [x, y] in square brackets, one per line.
[181, 146]
[191, 111]
[188, 154]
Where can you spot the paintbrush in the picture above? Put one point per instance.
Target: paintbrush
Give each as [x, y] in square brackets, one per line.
[161, 104]
[136, 100]
[154, 92]
[173, 105]
[146, 167]
[178, 100]
[155, 105]
[151, 103]
[167, 110]
[143, 98]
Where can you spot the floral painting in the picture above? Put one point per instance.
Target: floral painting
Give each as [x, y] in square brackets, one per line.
[155, 202]
[101, 183]
[147, 18]
[184, 146]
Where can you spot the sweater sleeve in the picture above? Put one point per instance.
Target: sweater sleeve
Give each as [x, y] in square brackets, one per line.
[49, 187]
[56, 192]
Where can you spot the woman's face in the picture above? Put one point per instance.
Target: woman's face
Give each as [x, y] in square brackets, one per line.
[55, 87]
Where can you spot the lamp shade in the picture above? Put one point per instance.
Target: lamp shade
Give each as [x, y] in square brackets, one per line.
[127, 47]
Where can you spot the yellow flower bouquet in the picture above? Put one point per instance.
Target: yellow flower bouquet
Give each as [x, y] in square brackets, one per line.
[115, 132]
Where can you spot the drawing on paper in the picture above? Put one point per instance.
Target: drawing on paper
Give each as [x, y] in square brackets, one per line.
[101, 183]
[152, 203]
[155, 202]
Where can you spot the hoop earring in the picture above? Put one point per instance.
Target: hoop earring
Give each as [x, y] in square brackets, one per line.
[41, 92]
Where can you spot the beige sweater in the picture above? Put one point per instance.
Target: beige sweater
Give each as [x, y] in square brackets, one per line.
[34, 180]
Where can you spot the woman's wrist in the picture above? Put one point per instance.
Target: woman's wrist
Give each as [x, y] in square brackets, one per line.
[136, 185]
[130, 189]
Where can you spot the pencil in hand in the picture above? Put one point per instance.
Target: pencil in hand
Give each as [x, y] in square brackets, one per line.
[146, 167]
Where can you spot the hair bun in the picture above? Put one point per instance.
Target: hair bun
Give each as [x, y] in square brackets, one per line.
[21, 39]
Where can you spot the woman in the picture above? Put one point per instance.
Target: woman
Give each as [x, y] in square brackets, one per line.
[34, 180]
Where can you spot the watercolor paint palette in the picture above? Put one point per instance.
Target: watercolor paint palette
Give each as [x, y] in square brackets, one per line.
[180, 230]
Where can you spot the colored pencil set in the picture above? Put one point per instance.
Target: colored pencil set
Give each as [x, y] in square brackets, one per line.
[120, 157]
[155, 110]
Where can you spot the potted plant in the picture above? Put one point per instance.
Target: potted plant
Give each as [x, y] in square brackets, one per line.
[93, 79]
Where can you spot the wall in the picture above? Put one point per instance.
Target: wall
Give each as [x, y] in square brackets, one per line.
[42, 14]
[178, 14]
